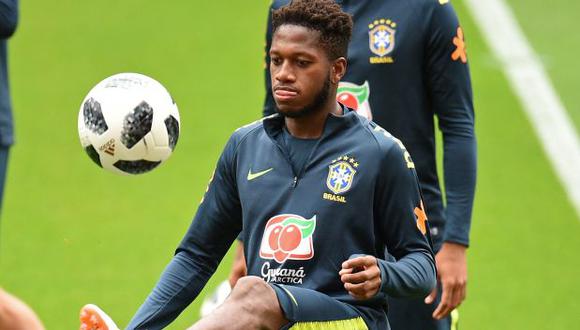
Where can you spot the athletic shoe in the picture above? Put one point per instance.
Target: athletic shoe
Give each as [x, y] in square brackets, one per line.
[93, 318]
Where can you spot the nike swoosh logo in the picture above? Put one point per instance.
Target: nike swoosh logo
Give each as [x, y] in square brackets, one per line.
[252, 176]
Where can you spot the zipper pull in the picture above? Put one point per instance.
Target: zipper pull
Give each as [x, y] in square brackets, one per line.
[294, 182]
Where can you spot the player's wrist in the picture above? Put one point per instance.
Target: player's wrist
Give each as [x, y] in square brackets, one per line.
[453, 249]
[455, 244]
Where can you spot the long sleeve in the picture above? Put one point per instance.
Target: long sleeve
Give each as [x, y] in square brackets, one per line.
[403, 224]
[450, 90]
[8, 18]
[215, 226]
[179, 284]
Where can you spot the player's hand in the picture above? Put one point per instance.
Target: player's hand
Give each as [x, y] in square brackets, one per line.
[239, 266]
[361, 277]
[452, 274]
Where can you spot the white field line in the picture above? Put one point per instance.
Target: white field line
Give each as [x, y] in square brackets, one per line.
[529, 80]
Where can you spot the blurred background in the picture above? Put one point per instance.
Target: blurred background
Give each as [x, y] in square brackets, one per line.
[72, 233]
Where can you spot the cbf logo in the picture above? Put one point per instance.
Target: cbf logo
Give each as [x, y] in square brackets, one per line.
[288, 236]
[382, 40]
[340, 174]
[355, 97]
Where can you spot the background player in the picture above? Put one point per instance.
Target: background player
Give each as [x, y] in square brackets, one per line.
[407, 64]
[298, 182]
[14, 314]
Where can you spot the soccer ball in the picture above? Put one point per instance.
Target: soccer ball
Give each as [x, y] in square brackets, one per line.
[128, 124]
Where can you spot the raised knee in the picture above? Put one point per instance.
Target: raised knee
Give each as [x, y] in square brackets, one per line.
[251, 285]
[258, 302]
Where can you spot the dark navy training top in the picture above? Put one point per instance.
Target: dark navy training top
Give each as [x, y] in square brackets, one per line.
[8, 22]
[406, 65]
[357, 193]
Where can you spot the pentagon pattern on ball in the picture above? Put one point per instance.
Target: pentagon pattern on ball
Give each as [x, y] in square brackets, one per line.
[94, 119]
[172, 131]
[94, 155]
[135, 166]
[137, 124]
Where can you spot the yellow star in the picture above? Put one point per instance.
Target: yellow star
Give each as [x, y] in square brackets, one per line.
[355, 164]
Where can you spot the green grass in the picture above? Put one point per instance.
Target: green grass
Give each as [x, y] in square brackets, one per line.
[72, 233]
[550, 27]
[523, 263]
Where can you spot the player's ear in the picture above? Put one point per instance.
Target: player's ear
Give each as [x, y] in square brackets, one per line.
[338, 70]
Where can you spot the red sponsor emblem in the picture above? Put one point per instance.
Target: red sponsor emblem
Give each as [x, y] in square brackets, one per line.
[355, 97]
[288, 236]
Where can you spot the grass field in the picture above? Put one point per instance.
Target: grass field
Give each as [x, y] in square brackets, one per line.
[73, 234]
[548, 29]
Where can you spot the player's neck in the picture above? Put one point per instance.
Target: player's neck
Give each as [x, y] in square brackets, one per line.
[311, 126]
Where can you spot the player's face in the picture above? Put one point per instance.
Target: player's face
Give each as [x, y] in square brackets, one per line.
[300, 71]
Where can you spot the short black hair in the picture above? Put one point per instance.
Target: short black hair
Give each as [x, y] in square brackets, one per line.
[324, 16]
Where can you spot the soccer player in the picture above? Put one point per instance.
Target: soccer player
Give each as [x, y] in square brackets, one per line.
[14, 314]
[407, 64]
[8, 23]
[319, 190]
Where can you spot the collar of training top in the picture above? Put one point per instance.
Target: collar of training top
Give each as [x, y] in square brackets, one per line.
[274, 124]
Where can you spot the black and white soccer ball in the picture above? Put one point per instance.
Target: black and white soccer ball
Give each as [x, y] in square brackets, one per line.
[128, 124]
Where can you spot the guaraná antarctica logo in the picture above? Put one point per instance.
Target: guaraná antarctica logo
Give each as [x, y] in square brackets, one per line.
[355, 97]
[288, 237]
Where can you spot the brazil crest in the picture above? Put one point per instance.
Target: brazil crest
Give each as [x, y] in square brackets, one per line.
[340, 176]
[382, 40]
